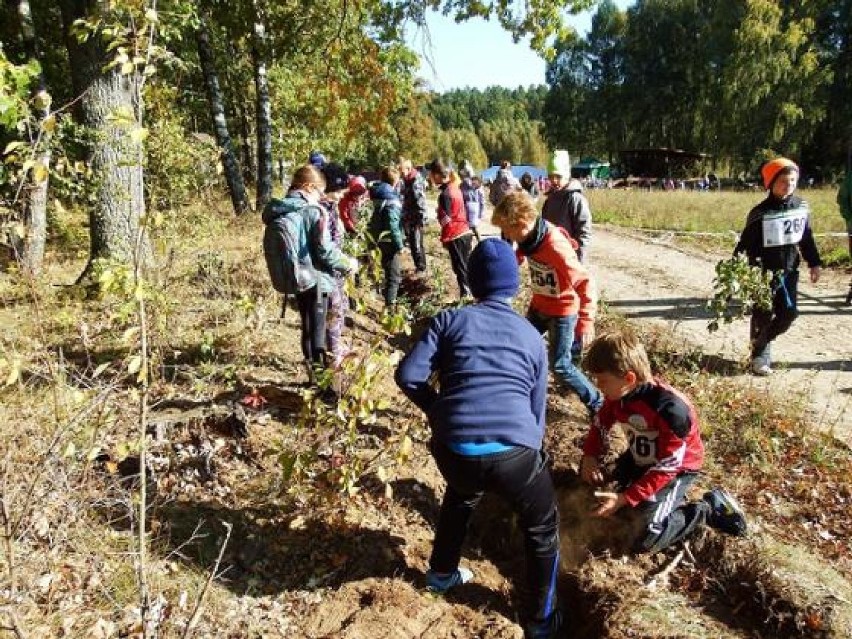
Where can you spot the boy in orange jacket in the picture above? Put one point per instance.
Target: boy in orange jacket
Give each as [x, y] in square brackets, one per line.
[564, 297]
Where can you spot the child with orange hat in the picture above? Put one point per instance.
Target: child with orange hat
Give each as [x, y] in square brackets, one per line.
[776, 231]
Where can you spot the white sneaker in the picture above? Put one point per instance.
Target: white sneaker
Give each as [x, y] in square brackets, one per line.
[760, 366]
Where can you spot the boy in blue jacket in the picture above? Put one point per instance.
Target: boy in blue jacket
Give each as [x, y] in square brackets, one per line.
[386, 229]
[479, 352]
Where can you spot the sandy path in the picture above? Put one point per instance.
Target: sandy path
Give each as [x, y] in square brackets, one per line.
[650, 281]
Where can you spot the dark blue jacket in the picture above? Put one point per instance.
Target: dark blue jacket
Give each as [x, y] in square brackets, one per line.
[491, 367]
[386, 222]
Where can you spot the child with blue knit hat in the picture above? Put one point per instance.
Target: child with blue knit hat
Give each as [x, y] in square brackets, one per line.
[478, 352]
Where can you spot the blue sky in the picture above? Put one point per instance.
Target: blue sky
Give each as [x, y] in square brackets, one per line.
[478, 53]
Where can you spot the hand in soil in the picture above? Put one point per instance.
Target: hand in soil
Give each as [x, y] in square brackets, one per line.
[609, 503]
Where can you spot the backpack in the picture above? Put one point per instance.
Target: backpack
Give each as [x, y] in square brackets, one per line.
[284, 247]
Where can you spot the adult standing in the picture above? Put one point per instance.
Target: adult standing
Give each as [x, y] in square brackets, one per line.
[844, 200]
[566, 206]
[452, 216]
[412, 190]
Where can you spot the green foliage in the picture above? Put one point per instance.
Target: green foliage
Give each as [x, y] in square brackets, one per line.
[339, 454]
[180, 167]
[737, 280]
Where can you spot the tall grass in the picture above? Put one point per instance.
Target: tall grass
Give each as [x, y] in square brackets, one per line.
[713, 212]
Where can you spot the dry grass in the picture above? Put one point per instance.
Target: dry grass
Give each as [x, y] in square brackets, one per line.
[711, 212]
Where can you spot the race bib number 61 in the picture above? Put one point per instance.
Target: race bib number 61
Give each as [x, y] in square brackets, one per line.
[784, 227]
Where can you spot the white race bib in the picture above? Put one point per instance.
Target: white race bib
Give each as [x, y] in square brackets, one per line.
[544, 280]
[782, 228]
[643, 442]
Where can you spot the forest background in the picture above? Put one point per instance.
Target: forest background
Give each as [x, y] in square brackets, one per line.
[190, 94]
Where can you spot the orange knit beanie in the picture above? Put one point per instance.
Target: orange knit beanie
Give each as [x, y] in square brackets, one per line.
[771, 169]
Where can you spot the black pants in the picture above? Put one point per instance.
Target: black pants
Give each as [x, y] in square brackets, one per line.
[520, 476]
[767, 325]
[460, 249]
[664, 519]
[393, 273]
[414, 236]
[313, 310]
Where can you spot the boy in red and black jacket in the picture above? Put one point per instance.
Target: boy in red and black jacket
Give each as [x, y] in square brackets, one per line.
[665, 454]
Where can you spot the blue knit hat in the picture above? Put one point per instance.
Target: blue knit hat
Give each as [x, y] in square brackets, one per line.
[317, 159]
[493, 269]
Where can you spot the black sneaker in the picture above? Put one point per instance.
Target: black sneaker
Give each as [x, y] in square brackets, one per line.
[726, 514]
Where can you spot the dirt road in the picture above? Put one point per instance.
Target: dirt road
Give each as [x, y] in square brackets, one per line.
[650, 281]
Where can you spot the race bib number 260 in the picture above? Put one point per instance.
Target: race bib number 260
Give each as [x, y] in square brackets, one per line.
[784, 227]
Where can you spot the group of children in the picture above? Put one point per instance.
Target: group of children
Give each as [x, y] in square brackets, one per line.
[471, 355]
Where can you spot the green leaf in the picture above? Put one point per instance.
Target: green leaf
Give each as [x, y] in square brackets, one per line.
[14, 144]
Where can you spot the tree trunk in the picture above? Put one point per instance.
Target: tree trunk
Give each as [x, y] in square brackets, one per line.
[110, 107]
[31, 249]
[263, 113]
[249, 164]
[234, 178]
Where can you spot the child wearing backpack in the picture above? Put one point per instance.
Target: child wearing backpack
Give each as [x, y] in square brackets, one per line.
[386, 229]
[302, 259]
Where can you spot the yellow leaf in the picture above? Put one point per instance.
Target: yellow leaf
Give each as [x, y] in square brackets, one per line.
[130, 333]
[100, 369]
[14, 374]
[40, 173]
[112, 467]
[127, 68]
[151, 15]
[42, 100]
[139, 135]
[134, 364]
[70, 449]
[49, 124]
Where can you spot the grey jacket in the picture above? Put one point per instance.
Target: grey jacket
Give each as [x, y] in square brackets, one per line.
[569, 208]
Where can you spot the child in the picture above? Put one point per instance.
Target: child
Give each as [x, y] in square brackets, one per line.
[480, 352]
[775, 231]
[452, 216]
[336, 181]
[563, 295]
[665, 454]
[355, 197]
[566, 206]
[413, 192]
[474, 202]
[386, 229]
[318, 259]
